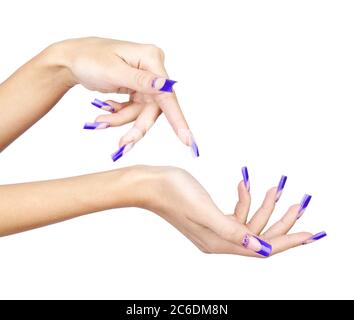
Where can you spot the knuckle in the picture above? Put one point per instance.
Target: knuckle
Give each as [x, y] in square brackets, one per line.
[141, 78]
[154, 51]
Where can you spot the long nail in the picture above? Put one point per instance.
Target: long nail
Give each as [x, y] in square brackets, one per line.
[102, 105]
[257, 245]
[186, 136]
[303, 205]
[316, 237]
[163, 84]
[280, 188]
[246, 178]
[122, 151]
[195, 149]
[96, 125]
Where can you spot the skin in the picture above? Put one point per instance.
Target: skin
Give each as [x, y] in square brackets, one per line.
[114, 66]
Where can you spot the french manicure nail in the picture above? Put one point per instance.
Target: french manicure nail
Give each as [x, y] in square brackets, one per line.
[163, 84]
[102, 105]
[96, 125]
[122, 151]
[303, 205]
[280, 188]
[186, 136]
[246, 179]
[118, 154]
[195, 149]
[257, 245]
[316, 237]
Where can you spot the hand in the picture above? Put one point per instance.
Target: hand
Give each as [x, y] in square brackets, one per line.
[170, 192]
[178, 198]
[124, 67]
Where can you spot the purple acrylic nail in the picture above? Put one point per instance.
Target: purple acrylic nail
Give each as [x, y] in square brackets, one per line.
[195, 149]
[102, 105]
[257, 245]
[118, 154]
[96, 125]
[167, 87]
[303, 205]
[316, 237]
[280, 188]
[266, 248]
[246, 180]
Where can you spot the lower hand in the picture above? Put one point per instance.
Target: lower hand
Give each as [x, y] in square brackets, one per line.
[178, 198]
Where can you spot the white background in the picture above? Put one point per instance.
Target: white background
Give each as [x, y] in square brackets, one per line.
[267, 84]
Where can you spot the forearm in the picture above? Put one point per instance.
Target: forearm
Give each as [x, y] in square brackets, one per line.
[30, 205]
[32, 91]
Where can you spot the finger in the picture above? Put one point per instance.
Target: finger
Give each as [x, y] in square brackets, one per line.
[228, 229]
[212, 243]
[109, 105]
[114, 106]
[209, 242]
[143, 123]
[137, 97]
[283, 226]
[169, 105]
[261, 217]
[243, 205]
[286, 242]
[238, 234]
[104, 105]
[206, 239]
[288, 220]
[117, 106]
[123, 116]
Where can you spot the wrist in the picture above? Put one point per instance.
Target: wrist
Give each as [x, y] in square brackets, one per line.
[57, 58]
[131, 186]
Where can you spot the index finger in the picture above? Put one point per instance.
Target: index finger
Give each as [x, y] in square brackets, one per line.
[169, 105]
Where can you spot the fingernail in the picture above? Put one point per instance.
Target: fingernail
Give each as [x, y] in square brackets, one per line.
[186, 136]
[96, 125]
[102, 105]
[195, 149]
[280, 188]
[246, 179]
[303, 205]
[163, 84]
[122, 151]
[257, 245]
[316, 237]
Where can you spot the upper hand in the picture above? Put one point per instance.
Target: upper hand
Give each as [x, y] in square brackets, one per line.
[114, 66]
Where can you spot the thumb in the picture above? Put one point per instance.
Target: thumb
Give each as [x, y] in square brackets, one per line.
[145, 81]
